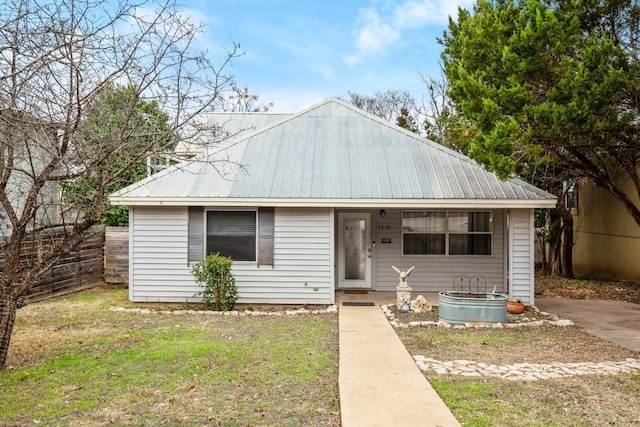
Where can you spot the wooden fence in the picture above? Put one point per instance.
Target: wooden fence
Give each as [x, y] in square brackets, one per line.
[116, 255]
[103, 257]
[80, 269]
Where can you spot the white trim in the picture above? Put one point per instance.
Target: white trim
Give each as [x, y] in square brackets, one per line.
[532, 258]
[332, 254]
[510, 243]
[339, 203]
[505, 249]
[131, 254]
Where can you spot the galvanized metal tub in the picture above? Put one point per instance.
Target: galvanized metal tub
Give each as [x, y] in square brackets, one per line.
[459, 307]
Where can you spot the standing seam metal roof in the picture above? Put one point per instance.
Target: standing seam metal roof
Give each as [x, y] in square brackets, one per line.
[330, 151]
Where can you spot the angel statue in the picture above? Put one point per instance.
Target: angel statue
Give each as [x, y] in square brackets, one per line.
[403, 276]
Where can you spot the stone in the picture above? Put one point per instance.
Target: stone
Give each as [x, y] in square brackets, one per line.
[420, 305]
[564, 322]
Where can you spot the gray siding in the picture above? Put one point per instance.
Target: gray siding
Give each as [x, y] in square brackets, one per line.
[159, 255]
[522, 253]
[434, 272]
[303, 259]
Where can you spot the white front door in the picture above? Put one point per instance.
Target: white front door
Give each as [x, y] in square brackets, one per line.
[354, 250]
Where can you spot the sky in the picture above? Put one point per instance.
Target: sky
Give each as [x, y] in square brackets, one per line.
[299, 52]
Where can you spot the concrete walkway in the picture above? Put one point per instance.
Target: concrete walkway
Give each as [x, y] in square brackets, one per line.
[380, 384]
[615, 321]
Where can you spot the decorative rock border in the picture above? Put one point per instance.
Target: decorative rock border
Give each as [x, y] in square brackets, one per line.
[525, 321]
[526, 371]
[331, 309]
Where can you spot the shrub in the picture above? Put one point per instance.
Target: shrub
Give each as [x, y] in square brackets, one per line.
[213, 273]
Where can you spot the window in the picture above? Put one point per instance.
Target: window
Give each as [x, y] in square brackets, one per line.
[424, 233]
[232, 233]
[446, 233]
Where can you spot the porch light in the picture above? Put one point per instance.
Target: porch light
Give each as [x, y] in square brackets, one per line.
[383, 213]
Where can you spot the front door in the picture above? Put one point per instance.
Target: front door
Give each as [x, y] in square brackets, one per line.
[354, 251]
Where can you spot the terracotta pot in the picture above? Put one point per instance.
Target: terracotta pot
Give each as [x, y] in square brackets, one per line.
[515, 307]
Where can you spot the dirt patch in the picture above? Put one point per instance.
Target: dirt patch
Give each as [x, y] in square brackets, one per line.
[530, 314]
[560, 287]
[543, 344]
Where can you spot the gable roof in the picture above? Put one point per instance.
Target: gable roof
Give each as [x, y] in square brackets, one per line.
[332, 154]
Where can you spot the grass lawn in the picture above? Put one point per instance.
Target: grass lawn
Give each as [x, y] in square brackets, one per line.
[573, 401]
[74, 362]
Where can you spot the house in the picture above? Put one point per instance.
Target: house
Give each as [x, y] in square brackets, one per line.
[27, 144]
[606, 238]
[329, 199]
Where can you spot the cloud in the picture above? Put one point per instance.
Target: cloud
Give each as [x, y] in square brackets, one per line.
[382, 25]
[375, 33]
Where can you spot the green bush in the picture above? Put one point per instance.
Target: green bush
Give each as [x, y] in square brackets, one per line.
[213, 273]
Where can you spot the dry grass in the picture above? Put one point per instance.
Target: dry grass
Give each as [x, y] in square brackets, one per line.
[74, 362]
[543, 344]
[559, 287]
[574, 401]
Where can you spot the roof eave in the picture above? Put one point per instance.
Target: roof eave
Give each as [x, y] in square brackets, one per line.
[339, 203]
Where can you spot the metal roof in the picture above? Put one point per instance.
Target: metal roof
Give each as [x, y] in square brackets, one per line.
[211, 128]
[332, 154]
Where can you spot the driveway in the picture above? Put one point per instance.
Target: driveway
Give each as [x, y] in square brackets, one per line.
[615, 321]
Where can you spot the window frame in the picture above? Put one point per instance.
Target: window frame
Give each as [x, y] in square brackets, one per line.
[256, 232]
[447, 232]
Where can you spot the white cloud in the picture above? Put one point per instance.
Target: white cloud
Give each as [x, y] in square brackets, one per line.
[382, 24]
[375, 33]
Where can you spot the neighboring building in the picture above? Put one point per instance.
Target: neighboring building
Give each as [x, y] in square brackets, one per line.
[329, 199]
[32, 142]
[607, 239]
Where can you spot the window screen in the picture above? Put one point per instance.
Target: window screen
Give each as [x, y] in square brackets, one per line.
[232, 233]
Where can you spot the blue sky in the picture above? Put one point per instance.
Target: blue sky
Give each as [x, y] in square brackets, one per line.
[298, 52]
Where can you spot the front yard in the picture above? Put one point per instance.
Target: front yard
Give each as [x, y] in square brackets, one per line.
[74, 362]
[580, 400]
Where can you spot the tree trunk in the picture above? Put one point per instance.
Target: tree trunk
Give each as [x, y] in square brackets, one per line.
[555, 243]
[567, 245]
[544, 255]
[8, 308]
[561, 234]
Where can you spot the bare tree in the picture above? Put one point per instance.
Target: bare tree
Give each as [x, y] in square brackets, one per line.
[442, 123]
[242, 101]
[388, 105]
[55, 58]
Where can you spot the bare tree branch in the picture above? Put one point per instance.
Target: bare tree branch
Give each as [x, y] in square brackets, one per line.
[57, 59]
